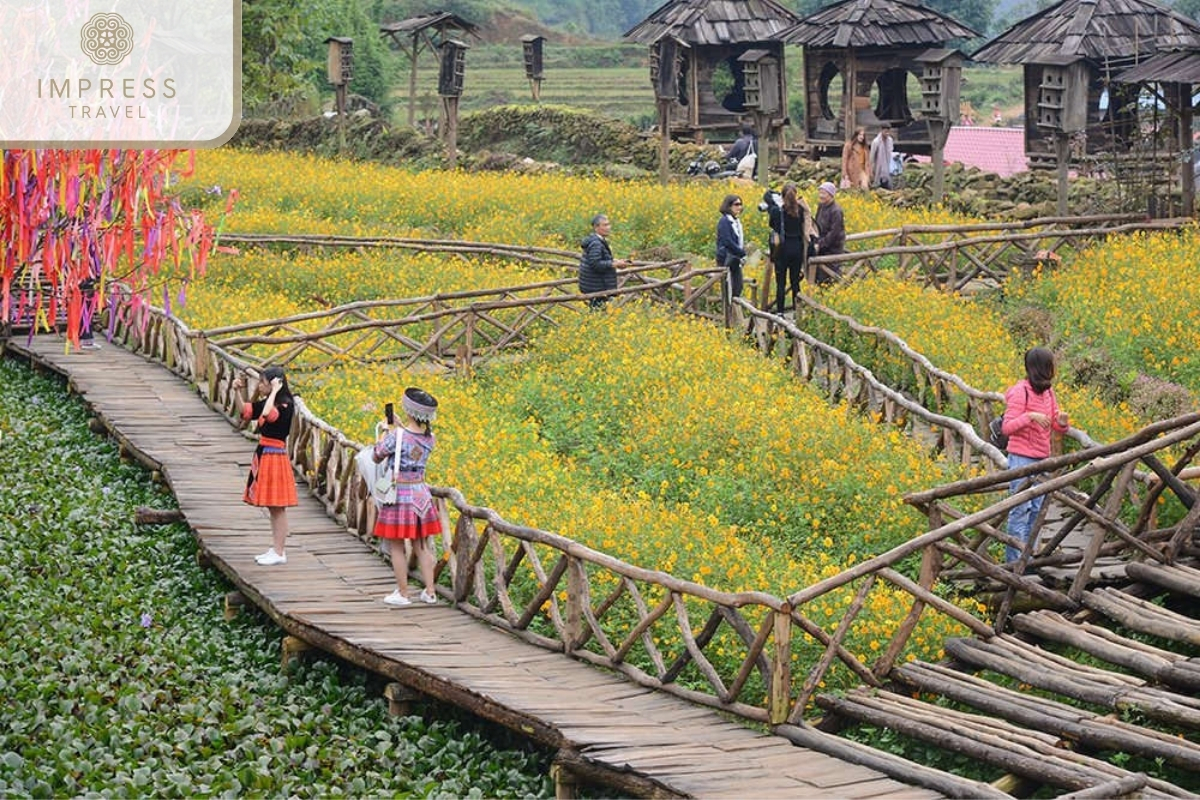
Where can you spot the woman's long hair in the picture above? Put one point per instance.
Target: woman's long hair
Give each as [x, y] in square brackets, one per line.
[791, 200]
[271, 373]
[727, 203]
[1039, 368]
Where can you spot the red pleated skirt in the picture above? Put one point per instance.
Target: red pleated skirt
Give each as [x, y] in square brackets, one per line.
[271, 482]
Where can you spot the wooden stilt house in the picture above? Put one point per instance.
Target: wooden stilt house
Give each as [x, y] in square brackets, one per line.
[864, 62]
[1072, 53]
[714, 35]
[1170, 80]
[424, 32]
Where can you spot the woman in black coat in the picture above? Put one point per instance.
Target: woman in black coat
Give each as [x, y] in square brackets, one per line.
[790, 219]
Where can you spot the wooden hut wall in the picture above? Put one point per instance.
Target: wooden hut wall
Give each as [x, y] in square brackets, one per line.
[703, 110]
[861, 69]
[1109, 130]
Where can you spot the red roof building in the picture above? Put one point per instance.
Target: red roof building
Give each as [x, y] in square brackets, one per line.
[998, 150]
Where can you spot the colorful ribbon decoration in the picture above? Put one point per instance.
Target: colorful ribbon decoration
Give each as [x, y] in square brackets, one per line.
[70, 216]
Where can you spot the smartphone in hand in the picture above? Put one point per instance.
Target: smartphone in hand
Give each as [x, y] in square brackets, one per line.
[389, 412]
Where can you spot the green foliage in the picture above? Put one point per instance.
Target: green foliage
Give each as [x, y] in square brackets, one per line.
[277, 50]
[284, 53]
[374, 65]
[123, 679]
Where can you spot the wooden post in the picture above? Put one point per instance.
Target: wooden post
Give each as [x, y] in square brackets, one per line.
[762, 125]
[664, 143]
[339, 94]
[1062, 146]
[200, 351]
[450, 105]
[938, 130]
[1187, 176]
[780, 697]
[400, 699]
[291, 647]
[576, 583]
[565, 785]
[412, 81]
[465, 540]
[233, 602]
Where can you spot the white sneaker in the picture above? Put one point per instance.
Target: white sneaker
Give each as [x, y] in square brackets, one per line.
[431, 599]
[271, 558]
[90, 344]
[397, 599]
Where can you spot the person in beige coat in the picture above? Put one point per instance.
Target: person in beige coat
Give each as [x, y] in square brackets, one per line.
[855, 153]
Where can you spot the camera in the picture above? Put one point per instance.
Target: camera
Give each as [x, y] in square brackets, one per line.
[770, 198]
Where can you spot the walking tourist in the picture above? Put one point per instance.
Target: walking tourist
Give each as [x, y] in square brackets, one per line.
[412, 516]
[790, 224]
[831, 232]
[731, 244]
[1030, 413]
[271, 484]
[882, 147]
[856, 161]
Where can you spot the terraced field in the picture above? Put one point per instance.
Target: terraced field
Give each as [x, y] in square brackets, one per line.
[618, 92]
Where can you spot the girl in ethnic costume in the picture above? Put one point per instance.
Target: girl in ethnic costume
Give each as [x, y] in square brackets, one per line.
[413, 516]
[271, 483]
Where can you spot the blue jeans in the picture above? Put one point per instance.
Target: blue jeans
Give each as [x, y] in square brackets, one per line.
[1020, 518]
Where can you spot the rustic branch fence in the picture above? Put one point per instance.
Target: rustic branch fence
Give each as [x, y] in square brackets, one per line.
[751, 653]
[454, 331]
[986, 252]
[667, 633]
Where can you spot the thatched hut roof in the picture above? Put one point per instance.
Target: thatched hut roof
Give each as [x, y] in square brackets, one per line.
[1097, 30]
[440, 21]
[1177, 67]
[714, 22]
[876, 23]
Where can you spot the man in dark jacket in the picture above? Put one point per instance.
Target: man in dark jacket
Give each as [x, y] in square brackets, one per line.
[744, 145]
[597, 269]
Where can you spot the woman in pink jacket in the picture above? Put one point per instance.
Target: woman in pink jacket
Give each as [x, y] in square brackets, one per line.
[1030, 414]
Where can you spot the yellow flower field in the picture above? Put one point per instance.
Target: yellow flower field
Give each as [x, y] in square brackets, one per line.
[1137, 296]
[968, 339]
[656, 439]
[290, 193]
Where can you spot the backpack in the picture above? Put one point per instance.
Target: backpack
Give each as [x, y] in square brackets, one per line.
[996, 435]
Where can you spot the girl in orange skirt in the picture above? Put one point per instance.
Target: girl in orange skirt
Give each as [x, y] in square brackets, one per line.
[413, 516]
[271, 483]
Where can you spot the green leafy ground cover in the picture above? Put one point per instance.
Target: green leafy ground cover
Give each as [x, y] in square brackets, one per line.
[121, 676]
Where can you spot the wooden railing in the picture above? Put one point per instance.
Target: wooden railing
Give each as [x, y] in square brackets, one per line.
[456, 330]
[750, 653]
[966, 253]
[949, 429]
[908, 372]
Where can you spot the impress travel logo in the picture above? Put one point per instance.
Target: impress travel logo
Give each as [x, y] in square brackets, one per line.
[132, 73]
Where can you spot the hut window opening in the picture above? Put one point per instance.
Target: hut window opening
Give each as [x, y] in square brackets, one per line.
[832, 89]
[889, 95]
[1118, 107]
[729, 85]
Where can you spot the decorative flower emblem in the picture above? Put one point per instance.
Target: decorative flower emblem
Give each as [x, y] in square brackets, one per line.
[106, 38]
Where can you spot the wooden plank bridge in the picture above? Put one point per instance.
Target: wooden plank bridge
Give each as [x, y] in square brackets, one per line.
[1110, 647]
[329, 593]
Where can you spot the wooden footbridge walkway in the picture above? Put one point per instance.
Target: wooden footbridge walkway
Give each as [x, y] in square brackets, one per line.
[1076, 678]
[329, 595]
